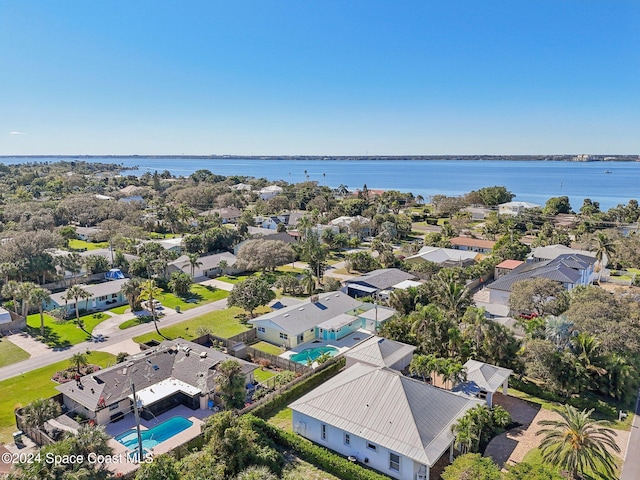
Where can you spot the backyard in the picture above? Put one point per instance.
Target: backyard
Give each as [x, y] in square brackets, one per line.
[33, 385]
[63, 333]
[200, 295]
[221, 323]
[82, 245]
[10, 353]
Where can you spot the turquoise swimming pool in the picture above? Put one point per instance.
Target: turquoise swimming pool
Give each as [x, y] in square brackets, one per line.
[312, 353]
[158, 434]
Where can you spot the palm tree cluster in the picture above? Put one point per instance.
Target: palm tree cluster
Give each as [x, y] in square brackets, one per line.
[478, 426]
[450, 371]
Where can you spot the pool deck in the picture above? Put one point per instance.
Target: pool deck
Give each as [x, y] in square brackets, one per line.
[342, 345]
[128, 422]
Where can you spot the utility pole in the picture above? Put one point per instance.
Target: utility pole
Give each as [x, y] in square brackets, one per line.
[135, 412]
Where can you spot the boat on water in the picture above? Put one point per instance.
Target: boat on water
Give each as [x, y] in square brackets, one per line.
[608, 171]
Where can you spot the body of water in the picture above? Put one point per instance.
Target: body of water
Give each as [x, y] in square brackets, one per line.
[609, 183]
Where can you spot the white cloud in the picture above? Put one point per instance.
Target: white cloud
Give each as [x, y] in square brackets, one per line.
[17, 133]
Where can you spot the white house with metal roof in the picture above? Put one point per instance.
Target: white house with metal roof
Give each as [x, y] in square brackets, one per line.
[101, 297]
[392, 423]
[445, 257]
[328, 316]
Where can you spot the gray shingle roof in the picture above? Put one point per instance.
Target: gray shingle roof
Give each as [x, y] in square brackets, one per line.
[382, 278]
[148, 368]
[381, 405]
[306, 315]
[207, 262]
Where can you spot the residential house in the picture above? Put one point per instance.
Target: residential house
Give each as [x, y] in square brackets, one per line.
[170, 244]
[206, 266]
[269, 192]
[484, 380]
[469, 244]
[505, 267]
[226, 214]
[102, 296]
[477, 213]
[11, 322]
[176, 372]
[131, 190]
[515, 208]
[445, 257]
[344, 224]
[376, 282]
[381, 352]
[328, 316]
[551, 252]
[241, 187]
[570, 270]
[270, 223]
[391, 423]
[87, 233]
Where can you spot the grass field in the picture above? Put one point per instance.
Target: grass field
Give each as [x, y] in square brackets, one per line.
[234, 278]
[10, 353]
[262, 375]
[24, 389]
[83, 245]
[66, 333]
[534, 457]
[282, 419]
[222, 323]
[267, 348]
[200, 295]
[120, 310]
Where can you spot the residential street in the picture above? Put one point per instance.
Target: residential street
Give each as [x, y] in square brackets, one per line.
[631, 465]
[118, 336]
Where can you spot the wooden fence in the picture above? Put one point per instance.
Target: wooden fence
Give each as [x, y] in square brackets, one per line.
[279, 362]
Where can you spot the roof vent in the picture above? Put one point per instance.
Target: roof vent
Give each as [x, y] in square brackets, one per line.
[301, 308]
[314, 299]
[286, 315]
[203, 354]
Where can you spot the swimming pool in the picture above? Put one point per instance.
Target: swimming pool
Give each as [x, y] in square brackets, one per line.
[312, 353]
[158, 434]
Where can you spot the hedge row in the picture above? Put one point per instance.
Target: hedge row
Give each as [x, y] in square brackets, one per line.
[298, 390]
[319, 456]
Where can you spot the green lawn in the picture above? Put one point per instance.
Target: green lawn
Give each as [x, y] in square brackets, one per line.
[289, 269]
[84, 245]
[134, 322]
[120, 310]
[63, 334]
[267, 348]
[10, 353]
[200, 295]
[234, 278]
[222, 323]
[25, 388]
[262, 375]
[534, 457]
[282, 419]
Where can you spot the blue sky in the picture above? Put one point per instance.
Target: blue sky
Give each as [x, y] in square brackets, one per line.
[325, 77]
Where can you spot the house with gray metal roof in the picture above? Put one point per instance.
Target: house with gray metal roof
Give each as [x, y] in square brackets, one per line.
[483, 380]
[206, 265]
[381, 352]
[173, 373]
[392, 423]
[327, 316]
[445, 257]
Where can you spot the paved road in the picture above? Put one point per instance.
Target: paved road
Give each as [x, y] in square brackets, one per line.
[63, 354]
[631, 465]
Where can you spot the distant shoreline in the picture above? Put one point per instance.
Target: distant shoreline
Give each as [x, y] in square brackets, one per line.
[524, 158]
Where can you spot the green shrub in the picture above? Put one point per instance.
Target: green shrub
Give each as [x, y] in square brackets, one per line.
[295, 392]
[319, 456]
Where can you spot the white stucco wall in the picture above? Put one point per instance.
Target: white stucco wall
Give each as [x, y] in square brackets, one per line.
[335, 440]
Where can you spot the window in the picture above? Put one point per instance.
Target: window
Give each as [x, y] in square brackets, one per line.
[284, 336]
[114, 295]
[102, 298]
[371, 446]
[323, 431]
[347, 439]
[394, 462]
[114, 406]
[261, 329]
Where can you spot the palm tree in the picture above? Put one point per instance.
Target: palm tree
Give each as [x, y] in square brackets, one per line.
[24, 292]
[132, 290]
[222, 265]
[149, 292]
[558, 330]
[39, 296]
[342, 189]
[79, 360]
[7, 270]
[194, 262]
[39, 411]
[308, 281]
[577, 443]
[76, 293]
[256, 472]
[11, 289]
[603, 248]
[466, 433]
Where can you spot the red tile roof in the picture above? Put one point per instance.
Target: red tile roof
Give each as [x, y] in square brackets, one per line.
[510, 264]
[472, 242]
